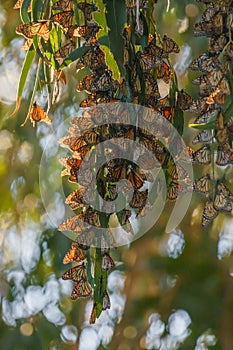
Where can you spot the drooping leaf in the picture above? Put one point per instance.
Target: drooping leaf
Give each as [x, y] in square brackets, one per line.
[24, 11]
[37, 6]
[116, 19]
[77, 53]
[23, 77]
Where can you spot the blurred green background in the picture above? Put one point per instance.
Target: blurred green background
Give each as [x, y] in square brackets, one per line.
[36, 310]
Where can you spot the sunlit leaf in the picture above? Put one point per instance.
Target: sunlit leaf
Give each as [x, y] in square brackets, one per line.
[111, 62]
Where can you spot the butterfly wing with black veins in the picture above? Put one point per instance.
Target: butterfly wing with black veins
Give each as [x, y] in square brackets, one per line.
[202, 185]
[81, 290]
[75, 254]
[107, 262]
[76, 273]
[209, 213]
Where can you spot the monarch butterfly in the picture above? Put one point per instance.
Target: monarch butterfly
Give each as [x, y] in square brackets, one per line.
[205, 63]
[200, 105]
[75, 199]
[74, 143]
[139, 199]
[209, 213]
[91, 137]
[147, 61]
[223, 188]
[62, 5]
[211, 98]
[87, 31]
[69, 162]
[168, 112]
[83, 152]
[211, 79]
[202, 155]
[27, 44]
[117, 169]
[156, 51]
[184, 100]
[203, 136]
[64, 19]
[205, 117]
[37, 114]
[209, 12]
[64, 51]
[74, 254]
[106, 301]
[222, 136]
[151, 85]
[212, 27]
[87, 9]
[76, 273]
[75, 223]
[222, 202]
[92, 217]
[169, 45]
[174, 188]
[202, 185]
[135, 176]
[224, 86]
[92, 318]
[94, 58]
[107, 262]
[103, 82]
[86, 83]
[224, 156]
[179, 173]
[95, 99]
[81, 290]
[19, 3]
[216, 45]
[229, 50]
[82, 123]
[202, 79]
[41, 28]
[163, 72]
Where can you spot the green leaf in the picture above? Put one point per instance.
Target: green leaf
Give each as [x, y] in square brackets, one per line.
[36, 45]
[144, 39]
[24, 73]
[178, 120]
[100, 282]
[37, 7]
[207, 126]
[55, 39]
[77, 53]
[111, 62]
[24, 11]
[116, 19]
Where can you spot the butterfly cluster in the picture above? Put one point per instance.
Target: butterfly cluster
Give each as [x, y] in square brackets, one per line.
[214, 120]
[42, 30]
[79, 275]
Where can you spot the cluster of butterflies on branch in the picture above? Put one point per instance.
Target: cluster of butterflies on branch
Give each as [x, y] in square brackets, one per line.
[215, 105]
[144, 69]
[55, 39]
[79, 275]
